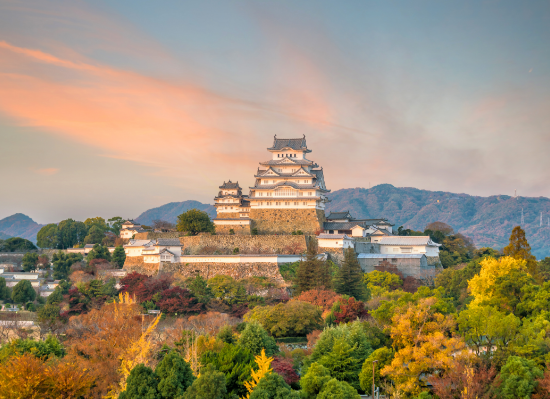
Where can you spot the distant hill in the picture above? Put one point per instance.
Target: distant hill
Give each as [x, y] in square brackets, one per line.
[4, 236]
[171, 211]
[487, 220]
[19, 225]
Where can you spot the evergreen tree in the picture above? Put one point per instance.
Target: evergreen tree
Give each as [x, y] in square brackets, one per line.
[210, 384]
[141, 384]
[273, 386]
[99, 252]
[255, 338]
[62, 263]
[313, 273]
[349, 279]
[194, 221]
[335, 389]
[119, 256]
[519, 248]
[175, 375]
[226, 335]
[4, 289]
[29, 261]
[23, 292]
[199, 288]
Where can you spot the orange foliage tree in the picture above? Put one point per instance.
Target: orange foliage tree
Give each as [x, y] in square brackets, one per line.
[322, 298]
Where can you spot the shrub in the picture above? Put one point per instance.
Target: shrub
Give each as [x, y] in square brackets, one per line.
[255, 338]
[210, 384]
[273, 386]
[285, 369]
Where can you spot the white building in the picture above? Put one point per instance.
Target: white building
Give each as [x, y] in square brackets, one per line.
[335, 241]
[130, 228]
[409, 245]
[155, 251]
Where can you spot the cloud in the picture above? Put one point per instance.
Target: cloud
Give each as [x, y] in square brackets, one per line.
[46, 171]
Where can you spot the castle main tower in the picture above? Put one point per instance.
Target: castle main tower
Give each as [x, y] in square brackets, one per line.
[289, 193]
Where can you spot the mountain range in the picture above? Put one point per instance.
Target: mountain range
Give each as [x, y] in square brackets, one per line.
[487, 220]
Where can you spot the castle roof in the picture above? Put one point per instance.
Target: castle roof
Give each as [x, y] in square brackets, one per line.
[298, 174]
[293, 144]
[287, 161]
[230, 185]
[342, 225]
[408, 240]
[339, 215]
[287, 184]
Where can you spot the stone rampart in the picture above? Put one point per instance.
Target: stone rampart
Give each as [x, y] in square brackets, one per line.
[260, 244]
[433, 261]
[149, 235]
[286, 221]
[228, 215]
[238, 229]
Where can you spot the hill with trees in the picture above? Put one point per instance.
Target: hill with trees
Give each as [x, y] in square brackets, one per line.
[171, 211]
[19, 225]
[487, 220]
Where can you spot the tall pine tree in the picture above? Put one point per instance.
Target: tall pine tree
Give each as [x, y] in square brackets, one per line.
[313, 273]
[519, 248]
[349, 279]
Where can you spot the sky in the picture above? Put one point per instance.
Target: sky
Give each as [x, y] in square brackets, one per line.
[112, 108]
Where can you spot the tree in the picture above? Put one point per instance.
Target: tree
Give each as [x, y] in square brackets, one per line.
[273, 386]
[48, 349]
[518, 377]
[4, 289]
[335, 389]
[62, 263]
[163, 225]
[348, 311]
[99, 252]
[349, 280]
[255, 338]
[314, 380]
[465, 381]
[226, 335]
[322, 298]
[175, 375]
[341, 363]
[313, 273]
[198, 286]
[16, 244]
[48, 314]
[289, 319]
[423, 341]
[195, 221]
[23, 292]
[383, 357]
[177, 300]
[116, 224]
[30, 259]
[482, 286]
[47, 236]
[119, 256]
[519, 248]
[379, 282]
[57, 295]
[284, 367]
[236, 363]
[95, 235]
[141, 384]
[69, 233]
[210, 384]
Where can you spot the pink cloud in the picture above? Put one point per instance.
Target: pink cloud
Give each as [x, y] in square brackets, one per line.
[46, 171]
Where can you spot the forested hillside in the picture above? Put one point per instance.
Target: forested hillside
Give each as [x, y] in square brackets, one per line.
[170, 212]
[19, 225]
[488, 220]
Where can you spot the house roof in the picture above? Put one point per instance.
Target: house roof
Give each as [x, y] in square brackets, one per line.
[408, 240]
[294, 144]
[342, 225]
[378, 232]
[168, 242]
[389, 256]
[333, 236]
[230, 185]
[339, 215]
[166, 251]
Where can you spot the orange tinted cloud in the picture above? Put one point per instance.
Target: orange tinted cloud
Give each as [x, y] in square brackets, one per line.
[46, 171]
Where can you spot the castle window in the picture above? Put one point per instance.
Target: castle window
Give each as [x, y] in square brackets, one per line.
[295, 203]
[304, 203]
[310, 193]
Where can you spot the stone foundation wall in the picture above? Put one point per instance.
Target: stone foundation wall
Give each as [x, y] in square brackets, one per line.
[237, 229]
[265, 244]
[286, 221]
[335, 254]
[153, 236]
[207, 270]
[433, 260]
[228, 215]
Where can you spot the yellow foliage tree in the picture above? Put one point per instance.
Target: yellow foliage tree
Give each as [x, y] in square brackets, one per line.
[482, 285]
[264, 368]
[422, 345]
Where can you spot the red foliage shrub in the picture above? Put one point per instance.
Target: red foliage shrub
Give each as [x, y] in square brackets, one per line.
[350, 311]
[322, 298]
[283, 367]
[148, 288]
[178, 300]
[312, 338]
[131, 281]
[543, 387]
[459, 379]
[411, 284]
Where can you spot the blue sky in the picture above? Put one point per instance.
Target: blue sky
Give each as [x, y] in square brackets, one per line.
[111, 108]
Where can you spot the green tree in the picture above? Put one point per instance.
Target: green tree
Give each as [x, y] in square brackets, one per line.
[341, 363]
[235, 362]
[69, 233]
[519, 248]
[23, 292]
[224, 287]
[95, 235]
[255, 338]
[4, 289]
[313, 273]
[116, 224]
[47, 236]
[48, 348]
[30, 259]
[379, 283]
[349, 280]
[335, 389]
[383, 356]
[17, 244]
[141, 384]
[226, 335]
[518, 378]
[174, 374]
[273, 386]
[198, 286]
[62, 263]
[210, 384]
[57, 295]
[119, 256]
[99, 252]
[314, 380]
[48, 313]
[195, 221]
